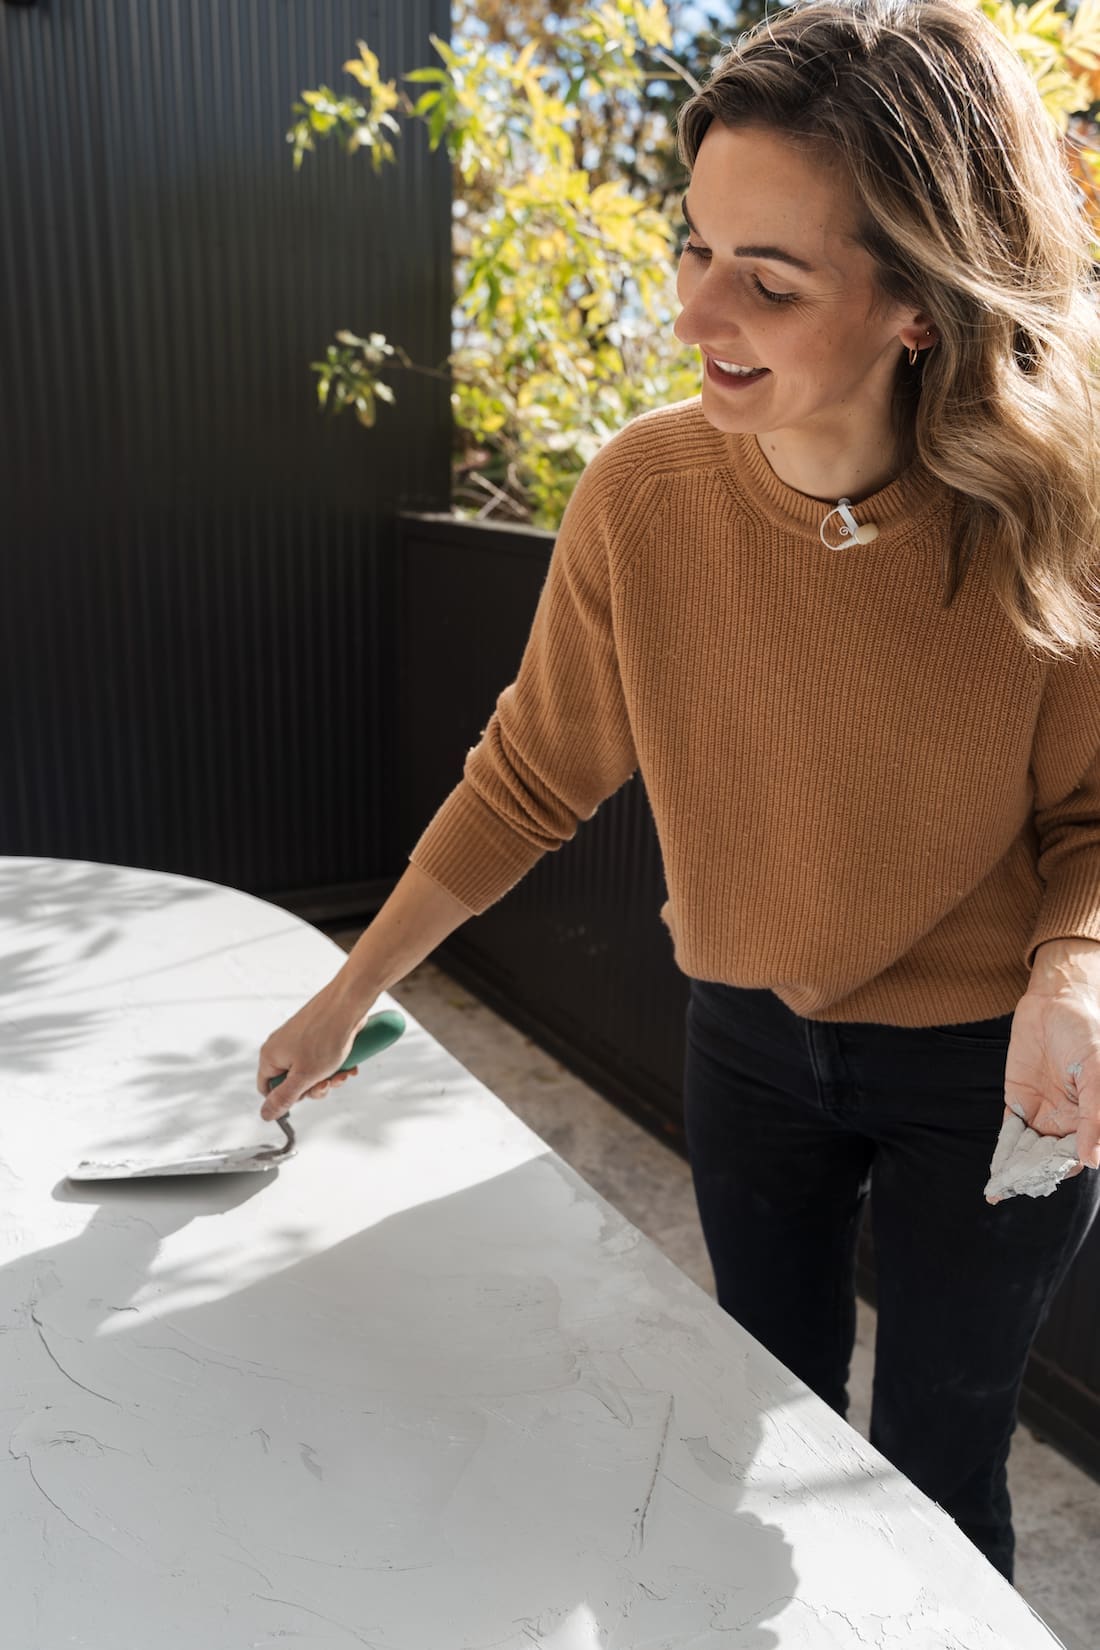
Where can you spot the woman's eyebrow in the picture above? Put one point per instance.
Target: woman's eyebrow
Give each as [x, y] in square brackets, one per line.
[775, 253]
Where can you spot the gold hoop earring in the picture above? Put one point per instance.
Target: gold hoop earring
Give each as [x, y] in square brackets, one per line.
[912, 357]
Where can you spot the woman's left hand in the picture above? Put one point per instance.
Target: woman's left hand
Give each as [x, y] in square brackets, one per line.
[1052, 1075]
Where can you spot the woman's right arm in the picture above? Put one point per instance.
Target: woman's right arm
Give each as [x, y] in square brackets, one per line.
[558, 743]
[314, 1042]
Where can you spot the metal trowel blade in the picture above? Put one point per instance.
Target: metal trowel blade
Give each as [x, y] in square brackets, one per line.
[244, 1160]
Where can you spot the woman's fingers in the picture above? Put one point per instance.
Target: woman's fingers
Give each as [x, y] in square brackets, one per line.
[278, 1102]
[317, 1091]
[306, 1056]
[266, 1070]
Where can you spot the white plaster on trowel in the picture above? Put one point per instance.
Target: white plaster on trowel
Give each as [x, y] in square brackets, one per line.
[242, 1160]
[420, 1388]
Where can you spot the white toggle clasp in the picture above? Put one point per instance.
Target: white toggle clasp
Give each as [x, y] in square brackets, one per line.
[849, 527]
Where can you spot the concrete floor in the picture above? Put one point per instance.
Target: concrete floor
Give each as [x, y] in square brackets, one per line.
[1056, 1506]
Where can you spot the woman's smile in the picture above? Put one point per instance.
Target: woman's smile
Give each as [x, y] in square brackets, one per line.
[730, 375]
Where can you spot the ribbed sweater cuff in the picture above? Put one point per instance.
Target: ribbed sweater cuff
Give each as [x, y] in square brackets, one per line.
[1071, 905]
[471, 853]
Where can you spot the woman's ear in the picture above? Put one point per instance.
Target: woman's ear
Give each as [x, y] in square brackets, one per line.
[919, 334]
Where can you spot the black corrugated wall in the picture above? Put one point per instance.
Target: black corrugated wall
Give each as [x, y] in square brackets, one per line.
[194, 610]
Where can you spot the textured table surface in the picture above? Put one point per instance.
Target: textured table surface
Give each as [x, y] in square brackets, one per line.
[421, 1389]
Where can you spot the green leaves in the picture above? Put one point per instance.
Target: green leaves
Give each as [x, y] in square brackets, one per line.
[1060, 47]
[564, 281]
[348, 376]
[320, 114]
[356, 125]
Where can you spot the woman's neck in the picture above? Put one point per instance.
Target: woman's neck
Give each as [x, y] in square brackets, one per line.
[837, 467]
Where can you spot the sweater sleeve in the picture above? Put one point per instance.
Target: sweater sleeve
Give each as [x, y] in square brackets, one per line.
[1066, 776]
[559, 741]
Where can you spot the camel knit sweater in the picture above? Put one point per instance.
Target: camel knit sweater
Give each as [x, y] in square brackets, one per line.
[870, 804]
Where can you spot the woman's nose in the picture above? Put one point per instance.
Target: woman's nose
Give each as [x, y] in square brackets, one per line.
[702, 321]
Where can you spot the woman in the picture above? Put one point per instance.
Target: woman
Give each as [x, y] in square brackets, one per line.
[839, 611]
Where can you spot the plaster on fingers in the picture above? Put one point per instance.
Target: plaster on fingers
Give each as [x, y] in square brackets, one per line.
[1029, 1164]
[1070, 1090]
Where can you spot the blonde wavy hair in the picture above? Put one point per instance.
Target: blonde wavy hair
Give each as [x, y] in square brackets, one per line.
[966, 205]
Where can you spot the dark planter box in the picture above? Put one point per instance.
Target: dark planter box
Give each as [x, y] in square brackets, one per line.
[576, 955]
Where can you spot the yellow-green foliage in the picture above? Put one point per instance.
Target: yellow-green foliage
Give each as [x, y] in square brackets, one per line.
[565, 288]
[322, 113]
[1048, 39]
[1062, 51]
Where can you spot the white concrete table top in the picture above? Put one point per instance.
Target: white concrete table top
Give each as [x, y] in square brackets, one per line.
[421, 1389]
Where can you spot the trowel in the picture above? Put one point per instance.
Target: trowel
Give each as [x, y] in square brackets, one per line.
[379, 1032]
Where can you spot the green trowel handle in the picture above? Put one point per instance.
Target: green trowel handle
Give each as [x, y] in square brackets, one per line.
[380, 1031]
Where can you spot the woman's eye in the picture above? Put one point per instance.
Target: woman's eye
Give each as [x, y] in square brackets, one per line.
[773, 297]
[758, 286]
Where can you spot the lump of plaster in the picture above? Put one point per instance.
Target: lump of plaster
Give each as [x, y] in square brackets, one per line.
[1027, 1164]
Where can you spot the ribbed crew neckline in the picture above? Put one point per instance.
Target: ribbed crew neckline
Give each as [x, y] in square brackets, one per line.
[898, 505]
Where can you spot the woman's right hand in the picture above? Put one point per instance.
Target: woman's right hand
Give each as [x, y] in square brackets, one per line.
[309, 1048]
[314, 1043]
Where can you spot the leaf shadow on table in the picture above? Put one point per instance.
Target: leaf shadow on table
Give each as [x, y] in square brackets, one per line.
[33, 1043]
[498, 1412]
[71, 913]
[208, 1096]
[52, 897]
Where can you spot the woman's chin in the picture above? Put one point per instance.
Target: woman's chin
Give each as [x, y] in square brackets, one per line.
[730, 420]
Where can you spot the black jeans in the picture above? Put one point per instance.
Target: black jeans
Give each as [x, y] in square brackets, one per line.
[791, 1123]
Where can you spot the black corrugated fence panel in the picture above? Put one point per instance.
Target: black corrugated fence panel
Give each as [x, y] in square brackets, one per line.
[193, 651]
[576, 954]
